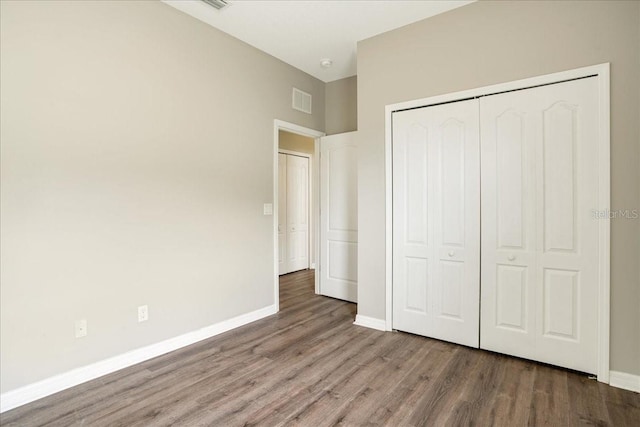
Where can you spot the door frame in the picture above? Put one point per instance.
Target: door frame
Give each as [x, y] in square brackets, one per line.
[279, 125]
[602, 73]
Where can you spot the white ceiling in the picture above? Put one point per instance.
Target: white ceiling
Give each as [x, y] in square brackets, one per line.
[302, 32]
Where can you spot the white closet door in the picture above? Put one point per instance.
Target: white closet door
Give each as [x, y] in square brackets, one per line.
[282, 214]
[297, 213]
[539, 240]
[436, 222]
[339, 217]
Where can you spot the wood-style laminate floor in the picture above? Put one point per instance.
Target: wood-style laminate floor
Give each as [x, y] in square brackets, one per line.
[310, 366]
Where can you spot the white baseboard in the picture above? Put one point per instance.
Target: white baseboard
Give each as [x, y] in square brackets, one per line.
[626, 381]
[29, 393]
[370, 322]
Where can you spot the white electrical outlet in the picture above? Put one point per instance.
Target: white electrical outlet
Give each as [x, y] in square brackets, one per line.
[143, 313]
[81, 328]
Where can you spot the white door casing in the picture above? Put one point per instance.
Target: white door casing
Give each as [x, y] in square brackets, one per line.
[339, 216]
[436, 226]
[539, 235]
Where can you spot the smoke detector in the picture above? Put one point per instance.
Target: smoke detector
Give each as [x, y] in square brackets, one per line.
[326, 63]
[216, 4]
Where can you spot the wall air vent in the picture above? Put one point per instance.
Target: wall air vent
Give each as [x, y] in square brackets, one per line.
[301, 101]
[218, 4]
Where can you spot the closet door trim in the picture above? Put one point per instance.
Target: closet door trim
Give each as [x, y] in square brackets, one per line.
[602, 73]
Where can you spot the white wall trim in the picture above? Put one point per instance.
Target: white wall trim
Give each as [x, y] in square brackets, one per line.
[316, 211]
[626, 381]
[29, 393]
[604, 229]
[388, 237]
[370, 322]
[604, 187]
[279, 125]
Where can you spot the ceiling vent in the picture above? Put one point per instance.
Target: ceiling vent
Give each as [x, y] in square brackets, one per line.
[301, 101]
[217, 4]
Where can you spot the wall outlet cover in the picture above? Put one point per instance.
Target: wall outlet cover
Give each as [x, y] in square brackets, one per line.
[143, 313]
[81, 328]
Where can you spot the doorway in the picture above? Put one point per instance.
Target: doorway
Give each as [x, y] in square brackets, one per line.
[302, 143]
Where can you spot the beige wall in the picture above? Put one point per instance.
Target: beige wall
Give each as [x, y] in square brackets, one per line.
[341, 108]
[294, 142]
[137, 150]
[491, 42]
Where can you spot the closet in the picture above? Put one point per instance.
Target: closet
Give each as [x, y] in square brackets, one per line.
[495, 244]
[293, 213]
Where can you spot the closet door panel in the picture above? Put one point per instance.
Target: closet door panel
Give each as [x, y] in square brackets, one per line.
[511, 297]
[559, 177]
[568, 233]
[452, 174]
[283, 265]
[436, 222]
[509, 166]
[508, 228]
[540, 242]
[413, 243]
[297, 213]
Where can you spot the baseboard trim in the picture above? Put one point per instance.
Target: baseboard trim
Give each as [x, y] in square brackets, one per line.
[370, 322]
[626, 381]
[23, 395]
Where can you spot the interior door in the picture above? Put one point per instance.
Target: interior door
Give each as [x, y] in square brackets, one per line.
[436, 226]
[282, 214]
[539, 237]
[297, 219]
[339, 216]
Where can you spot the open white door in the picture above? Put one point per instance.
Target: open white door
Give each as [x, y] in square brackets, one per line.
[436, 222]
[339, 216]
